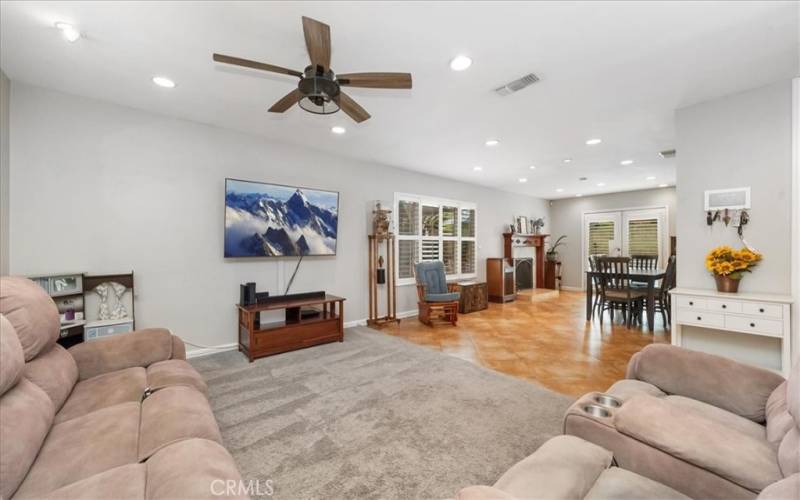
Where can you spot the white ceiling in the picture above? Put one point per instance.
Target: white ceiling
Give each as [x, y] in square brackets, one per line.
[614, 70]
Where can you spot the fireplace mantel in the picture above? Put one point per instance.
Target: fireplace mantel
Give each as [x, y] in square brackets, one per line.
[512, 240]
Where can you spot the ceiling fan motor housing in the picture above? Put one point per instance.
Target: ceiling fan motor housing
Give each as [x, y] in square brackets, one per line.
[320, 90]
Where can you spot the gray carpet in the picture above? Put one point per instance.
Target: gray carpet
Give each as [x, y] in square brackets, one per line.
[374, 417]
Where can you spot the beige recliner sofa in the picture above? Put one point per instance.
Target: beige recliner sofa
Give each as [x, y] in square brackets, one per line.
[124, 417]
[704, 425]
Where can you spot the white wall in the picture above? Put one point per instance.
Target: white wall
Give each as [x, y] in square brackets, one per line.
[737, 141]
[5, 87]
[102, 188]
[566, 217]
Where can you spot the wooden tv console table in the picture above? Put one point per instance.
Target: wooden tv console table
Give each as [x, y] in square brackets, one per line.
[259, 340]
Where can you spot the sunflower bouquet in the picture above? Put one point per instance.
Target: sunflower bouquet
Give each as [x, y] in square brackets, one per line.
[728, 266]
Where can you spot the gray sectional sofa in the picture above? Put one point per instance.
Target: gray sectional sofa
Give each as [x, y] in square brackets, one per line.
[124, 417]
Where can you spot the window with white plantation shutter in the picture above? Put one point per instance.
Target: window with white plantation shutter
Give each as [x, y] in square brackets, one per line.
[600, 233]
[643, 237]
[435, 229]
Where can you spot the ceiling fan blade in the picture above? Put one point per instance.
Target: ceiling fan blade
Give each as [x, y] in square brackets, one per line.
[286, 101]
[376, 80]
[238, 61]
[352, 108]
[318, 42]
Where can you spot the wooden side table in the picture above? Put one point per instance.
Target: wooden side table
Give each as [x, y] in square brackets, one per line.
[474, 296]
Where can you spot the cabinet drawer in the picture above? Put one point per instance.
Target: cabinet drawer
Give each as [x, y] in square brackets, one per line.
[701, 318]
[722, 305]
[760, 309]
[757, 326]
[691, 302]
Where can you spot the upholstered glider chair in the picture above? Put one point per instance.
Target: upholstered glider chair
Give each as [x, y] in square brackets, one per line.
[124, 417]
[435, 297]
[706, 426]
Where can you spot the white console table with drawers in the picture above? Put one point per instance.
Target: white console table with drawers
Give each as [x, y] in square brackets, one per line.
[750, 313]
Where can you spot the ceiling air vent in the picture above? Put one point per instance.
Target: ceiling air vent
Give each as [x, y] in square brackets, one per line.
[667, 153]
[517, 84]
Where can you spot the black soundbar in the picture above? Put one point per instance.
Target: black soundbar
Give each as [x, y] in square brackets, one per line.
[276, 299]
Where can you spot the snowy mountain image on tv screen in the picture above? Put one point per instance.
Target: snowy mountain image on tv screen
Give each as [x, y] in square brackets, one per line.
[264, 220]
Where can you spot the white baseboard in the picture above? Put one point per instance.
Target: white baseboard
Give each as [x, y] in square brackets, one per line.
[205, 351]
[572, 288]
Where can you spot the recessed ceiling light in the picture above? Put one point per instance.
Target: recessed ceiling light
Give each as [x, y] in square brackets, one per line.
[560, 190]
[532, 167]
[338, 130]
[626, 162]
[601, 184]
[70, 33]
[651, 177]
[163, 81]
[663, 185]
[593, 142]
[522, 180]
[477, 168]
[567, 160]
[460, 63]
[578, 195]
[492, 142]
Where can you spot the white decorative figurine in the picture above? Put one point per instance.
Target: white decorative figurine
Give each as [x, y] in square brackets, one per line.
[102, 291]
[119, 310]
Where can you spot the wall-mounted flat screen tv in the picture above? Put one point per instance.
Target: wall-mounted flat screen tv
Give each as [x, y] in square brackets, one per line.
[272, 220]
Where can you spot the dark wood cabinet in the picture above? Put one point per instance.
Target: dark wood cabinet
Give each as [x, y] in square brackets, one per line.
[500, 280]
[474, 297]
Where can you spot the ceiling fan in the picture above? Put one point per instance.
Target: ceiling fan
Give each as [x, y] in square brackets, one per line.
[319, 89]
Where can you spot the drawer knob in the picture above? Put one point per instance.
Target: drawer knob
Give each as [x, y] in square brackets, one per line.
[724, 306]
[752, 325]
[761, 310]
[691, 303]
[699, 318]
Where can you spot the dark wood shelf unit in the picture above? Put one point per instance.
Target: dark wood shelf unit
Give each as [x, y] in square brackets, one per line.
[294, 332]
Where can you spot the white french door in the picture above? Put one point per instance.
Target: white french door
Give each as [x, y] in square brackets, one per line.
[625, 233]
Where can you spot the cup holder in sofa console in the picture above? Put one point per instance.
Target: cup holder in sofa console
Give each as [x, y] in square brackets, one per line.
[597, 411]
[607, 401]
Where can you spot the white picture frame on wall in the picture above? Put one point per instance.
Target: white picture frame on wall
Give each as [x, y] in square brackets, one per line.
[731, 199]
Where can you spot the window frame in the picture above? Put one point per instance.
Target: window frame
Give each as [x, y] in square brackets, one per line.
[430, 201]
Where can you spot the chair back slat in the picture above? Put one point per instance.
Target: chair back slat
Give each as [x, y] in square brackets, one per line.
[644, 261]
[614, 273]
[668, 283]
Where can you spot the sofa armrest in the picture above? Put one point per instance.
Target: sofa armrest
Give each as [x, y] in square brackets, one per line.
[139, 348]
[565, 467]
[739, 388]
[483, 493]
[740, 458]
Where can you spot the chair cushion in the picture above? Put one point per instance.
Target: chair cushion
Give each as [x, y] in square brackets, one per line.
[698, 440]
[26, 414]
[723, 418]
[82, 447]
[627, 388]
[12, 359]
[441, 297]
[174, 372]
[32, 312]
[785, 489]
[55, 372]
[173, 414]
[431, 274]
[102, 391]
[126, 482]
[623, 294]
[619, 484]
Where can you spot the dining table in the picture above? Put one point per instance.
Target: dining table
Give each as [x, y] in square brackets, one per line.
[639, 275]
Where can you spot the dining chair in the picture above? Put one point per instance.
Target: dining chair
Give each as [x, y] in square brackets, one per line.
[663, 300]
[616, 289]
[644, 261]
[595, 282]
